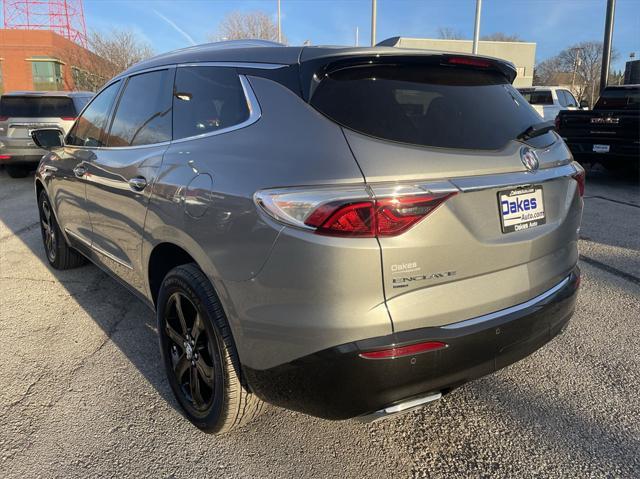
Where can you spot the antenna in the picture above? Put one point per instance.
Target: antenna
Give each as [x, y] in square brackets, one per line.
[64, 17]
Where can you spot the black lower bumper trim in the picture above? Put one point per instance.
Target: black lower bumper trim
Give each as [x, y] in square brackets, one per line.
[338, 384]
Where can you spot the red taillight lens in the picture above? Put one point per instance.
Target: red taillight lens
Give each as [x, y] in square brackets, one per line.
[399, 352]
[355, 219]
[396, 215]
[556, 122]
[4, 118]
[5, 157]
[381, 217]
[473, 62]
[68, 118]
[580, 178]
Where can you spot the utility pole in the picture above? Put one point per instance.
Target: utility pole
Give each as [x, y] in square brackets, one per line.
[476, 29]
[606, 48]
[373, 23]
[279, 26]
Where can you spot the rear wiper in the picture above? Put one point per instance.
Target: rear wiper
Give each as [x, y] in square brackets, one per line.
[536, 130]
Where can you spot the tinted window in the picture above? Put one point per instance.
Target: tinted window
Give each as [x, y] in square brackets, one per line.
[537, 97]
[619, 99]
[89, 129]
[143, 114]
[36, 107]
[426, 105]
[207, 99]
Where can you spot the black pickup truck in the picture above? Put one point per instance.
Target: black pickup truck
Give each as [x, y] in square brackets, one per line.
[610, 133]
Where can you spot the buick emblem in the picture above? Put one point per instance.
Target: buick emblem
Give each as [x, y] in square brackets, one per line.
[529, 159]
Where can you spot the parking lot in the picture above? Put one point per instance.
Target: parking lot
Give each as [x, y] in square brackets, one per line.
[83, 393]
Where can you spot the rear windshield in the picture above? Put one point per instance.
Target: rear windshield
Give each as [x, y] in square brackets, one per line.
[36, 107]
[534, 97]
[619, 99]
[441, 106]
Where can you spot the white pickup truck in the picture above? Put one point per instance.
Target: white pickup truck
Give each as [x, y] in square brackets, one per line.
[549, 100]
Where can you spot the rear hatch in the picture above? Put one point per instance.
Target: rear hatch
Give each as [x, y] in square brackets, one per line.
[447, 125]
[21, 114]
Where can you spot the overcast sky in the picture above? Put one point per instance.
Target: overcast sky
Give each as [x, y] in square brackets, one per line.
[552, 24]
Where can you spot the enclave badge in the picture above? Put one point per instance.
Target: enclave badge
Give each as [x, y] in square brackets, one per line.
[529, 159]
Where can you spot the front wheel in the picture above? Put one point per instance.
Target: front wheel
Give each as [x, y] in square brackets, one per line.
[199, 353]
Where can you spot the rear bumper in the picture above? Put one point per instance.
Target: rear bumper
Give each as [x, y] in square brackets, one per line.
[19, 151]
[338, 384]
[582, 150]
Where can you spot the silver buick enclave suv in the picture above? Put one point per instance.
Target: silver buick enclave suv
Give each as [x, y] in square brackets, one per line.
[339, 231]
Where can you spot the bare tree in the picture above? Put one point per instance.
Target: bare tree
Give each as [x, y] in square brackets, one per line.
[579, 66]
[447, 33]
[121, 48]
[501, 37]
[247, 25]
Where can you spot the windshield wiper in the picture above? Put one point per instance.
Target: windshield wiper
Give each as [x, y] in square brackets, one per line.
[536, 130]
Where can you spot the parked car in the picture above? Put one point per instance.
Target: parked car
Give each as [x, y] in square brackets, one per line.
[346, 232]
[23, 111]
[548, 101]
[610, 134]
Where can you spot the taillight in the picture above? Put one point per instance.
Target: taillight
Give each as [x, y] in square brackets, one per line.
[5, 157]
[349, 212]
[4, 118]
[556, 122]
[68, 118]
[579, 176]
[398, 352]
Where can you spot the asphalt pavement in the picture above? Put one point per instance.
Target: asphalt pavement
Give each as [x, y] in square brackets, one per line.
[82, 393]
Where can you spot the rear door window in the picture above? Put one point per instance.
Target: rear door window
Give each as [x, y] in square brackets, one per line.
[207, 99]
[430, 105]
[37, 107]
[143, 114]
[89, 129]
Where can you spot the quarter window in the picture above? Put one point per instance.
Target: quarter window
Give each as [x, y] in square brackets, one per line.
[207, 99]
[143, 114]
[570, 99]
[90, 127]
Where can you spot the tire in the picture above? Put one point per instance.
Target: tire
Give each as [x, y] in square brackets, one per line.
[199, 353]
[17, 171]
[59, 254]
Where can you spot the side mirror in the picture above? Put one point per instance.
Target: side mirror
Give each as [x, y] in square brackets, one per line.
[584, 104]
[48, 138]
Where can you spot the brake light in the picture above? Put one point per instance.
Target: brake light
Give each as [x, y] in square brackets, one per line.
[4, 118]
[380, 217]
[393, 353]
[68, 118]
[579, 176]
[5, 157]
[473, 62]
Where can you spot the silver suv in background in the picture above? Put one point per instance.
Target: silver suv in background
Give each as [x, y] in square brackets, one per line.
[339, 231]
[24, 111]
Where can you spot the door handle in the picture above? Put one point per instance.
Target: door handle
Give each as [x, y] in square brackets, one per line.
[79, 171]
[137, 183]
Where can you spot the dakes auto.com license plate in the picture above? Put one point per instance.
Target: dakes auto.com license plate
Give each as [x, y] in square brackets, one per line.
[521, 208]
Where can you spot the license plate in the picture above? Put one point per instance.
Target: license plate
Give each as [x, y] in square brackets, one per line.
[601, 148]
[521, 208]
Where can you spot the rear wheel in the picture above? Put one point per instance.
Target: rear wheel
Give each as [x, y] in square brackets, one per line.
[199, 353]
[59, 253]
[17, 171]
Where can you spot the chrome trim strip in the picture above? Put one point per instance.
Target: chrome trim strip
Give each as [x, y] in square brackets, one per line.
[256, 65]
[512, 309]
[254, 114]
[502, 180]
[99, 250]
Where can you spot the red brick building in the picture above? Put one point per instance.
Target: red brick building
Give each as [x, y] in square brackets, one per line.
[44, 60]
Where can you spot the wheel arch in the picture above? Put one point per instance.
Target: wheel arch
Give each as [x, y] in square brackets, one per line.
[163, 258]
